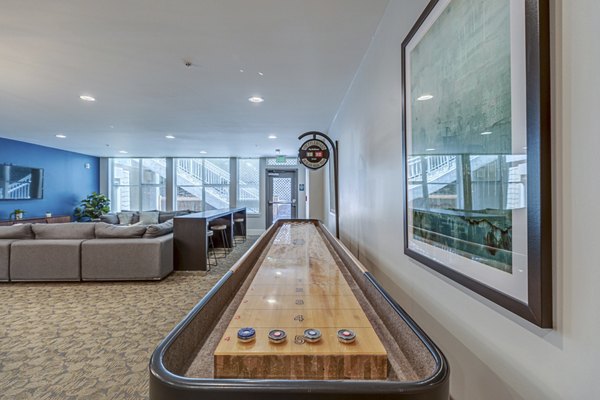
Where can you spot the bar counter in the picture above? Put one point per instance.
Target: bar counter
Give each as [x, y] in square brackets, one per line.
[191, 242]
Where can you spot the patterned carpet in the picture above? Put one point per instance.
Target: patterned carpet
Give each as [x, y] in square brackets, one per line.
[91, 340]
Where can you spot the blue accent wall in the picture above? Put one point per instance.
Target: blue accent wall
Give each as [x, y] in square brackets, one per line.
[66, 180]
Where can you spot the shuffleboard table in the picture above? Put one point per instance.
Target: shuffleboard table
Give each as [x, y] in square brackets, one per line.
[298, 317]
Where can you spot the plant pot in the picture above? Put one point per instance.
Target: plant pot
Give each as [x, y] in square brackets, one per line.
[19, 216]
[48, 215]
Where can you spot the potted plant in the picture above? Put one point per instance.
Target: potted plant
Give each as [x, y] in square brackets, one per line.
[18, 213]
[92, 207]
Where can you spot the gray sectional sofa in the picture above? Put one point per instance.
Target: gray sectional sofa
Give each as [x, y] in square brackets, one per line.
[85, 252]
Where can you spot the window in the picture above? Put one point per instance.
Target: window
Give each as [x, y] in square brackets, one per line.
[202, 183]
[248, 194]
[138, 184]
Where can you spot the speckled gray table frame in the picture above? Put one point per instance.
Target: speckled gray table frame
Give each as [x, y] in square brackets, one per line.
[181, 366]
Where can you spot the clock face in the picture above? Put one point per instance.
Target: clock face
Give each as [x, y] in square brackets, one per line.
[313, 154]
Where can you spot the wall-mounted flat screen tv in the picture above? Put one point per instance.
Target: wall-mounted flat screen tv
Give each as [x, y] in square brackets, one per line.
[21, 183]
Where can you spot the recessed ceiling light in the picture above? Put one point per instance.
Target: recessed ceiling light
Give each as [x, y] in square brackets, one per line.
[430, 149]
[87, 98]
[170, 137]
[202, 152]
[61, 136]
[425, 97]
[261, 74]
[256, 99]
[122, 151]
[241, 70]
[272, 137]
[486, 133]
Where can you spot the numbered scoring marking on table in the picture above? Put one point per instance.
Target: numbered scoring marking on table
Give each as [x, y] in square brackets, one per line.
[301, 308]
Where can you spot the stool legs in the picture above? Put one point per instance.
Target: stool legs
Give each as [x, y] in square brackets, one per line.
[212, 250]
[242, 231]
[225, 241]
[222, 229]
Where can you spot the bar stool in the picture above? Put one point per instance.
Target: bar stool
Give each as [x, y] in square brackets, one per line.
[211, 248]
[222, 229]
[239, 221]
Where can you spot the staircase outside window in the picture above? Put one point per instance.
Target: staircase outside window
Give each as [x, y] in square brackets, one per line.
[200, 184]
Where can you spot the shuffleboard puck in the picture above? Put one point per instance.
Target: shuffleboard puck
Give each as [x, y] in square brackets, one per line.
[346, 336]
[312, 335]
[246, 335]
[277, 336]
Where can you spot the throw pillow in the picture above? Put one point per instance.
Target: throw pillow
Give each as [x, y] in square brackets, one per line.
[125, 218]
[21, 231]
[148, 217]
[157, 230]
[136, 217]
[106, 231]
[110, 219]
[165, 216]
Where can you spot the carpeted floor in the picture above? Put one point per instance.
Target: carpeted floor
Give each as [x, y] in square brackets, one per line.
[91, 340]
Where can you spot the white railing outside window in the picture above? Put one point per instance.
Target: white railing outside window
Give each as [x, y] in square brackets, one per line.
[198, 184]
[138, 184]
[248, 194]
[202, 183]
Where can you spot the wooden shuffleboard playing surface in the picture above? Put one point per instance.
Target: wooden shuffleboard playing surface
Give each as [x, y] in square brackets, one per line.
[299, 286]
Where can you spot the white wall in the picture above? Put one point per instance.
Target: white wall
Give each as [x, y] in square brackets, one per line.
[493, 354]
[315, 182]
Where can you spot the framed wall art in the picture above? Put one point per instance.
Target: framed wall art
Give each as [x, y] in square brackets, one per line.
[476, 152]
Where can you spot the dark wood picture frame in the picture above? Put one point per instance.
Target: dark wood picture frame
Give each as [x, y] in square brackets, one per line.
[538, 308]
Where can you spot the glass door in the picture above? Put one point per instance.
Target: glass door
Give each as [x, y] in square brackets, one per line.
[281, 195]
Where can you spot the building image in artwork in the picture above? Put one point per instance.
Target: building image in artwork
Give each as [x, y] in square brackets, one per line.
[464, 181]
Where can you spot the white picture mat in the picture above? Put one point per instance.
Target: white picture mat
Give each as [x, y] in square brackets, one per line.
[516, 284]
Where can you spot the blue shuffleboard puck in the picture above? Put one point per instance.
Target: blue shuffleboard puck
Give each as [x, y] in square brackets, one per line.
[312, 335]
[346, 336]
[277, 336]
[246, 335]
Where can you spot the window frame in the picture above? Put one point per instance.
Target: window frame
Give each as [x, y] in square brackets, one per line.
[140, 186]
[259, 185]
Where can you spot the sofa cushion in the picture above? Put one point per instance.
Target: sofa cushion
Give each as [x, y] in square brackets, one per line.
[133, 259]
[69, 230]
[45, 260]
[110, 219]
[21, 231]
[157, 230]
[5, 258]
[104, 230]
[148, 217]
